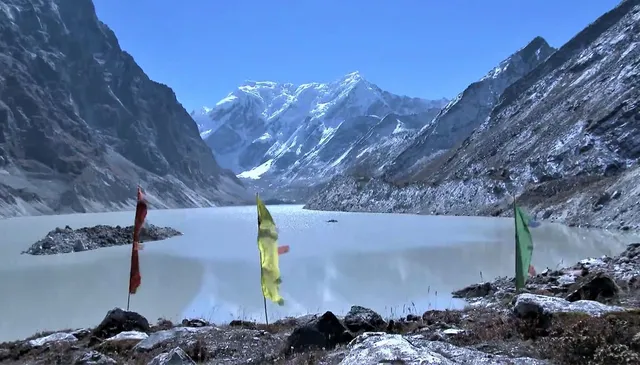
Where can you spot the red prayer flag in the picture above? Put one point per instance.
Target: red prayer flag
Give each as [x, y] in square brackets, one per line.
[283, 249]
[135, 278]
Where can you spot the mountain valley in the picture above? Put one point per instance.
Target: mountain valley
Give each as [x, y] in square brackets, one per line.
[286, 140]
[82, 125]
[564, 139]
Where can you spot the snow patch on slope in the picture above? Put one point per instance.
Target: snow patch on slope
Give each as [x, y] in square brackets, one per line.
[257, 171]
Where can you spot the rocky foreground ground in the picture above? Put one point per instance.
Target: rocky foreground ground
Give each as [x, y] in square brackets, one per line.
[67, 240]
[584, 314]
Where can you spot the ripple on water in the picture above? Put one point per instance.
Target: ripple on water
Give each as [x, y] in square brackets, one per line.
[388, 262]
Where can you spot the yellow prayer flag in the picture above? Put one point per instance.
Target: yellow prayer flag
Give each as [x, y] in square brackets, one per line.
[268, 246]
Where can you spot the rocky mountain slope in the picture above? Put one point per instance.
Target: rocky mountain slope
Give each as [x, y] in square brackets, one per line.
[81, 124]
[467, 111]
[300, 135]
[565, 139]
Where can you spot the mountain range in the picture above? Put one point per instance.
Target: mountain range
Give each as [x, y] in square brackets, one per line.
[289, 135]
[287, 140]
[81, 124]
[564, 139]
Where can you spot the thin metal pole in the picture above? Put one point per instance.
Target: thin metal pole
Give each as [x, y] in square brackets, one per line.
[128, 301]
[515, 228]
[266, 315]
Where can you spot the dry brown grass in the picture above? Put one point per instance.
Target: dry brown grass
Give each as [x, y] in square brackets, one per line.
[609, 339]
[570, 338]
[57, 353]
[612, 339]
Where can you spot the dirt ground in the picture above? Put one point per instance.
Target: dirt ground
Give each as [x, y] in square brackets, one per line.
[613, 339]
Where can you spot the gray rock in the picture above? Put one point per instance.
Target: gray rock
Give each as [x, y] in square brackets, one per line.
[177, 356]
[474, 291]
[635, 342]
[325, 331]
[117, 321]
[79, 246]
[4, 354]
[94, 358]
[69, 240]
[373, 348]
[528, 305]
[595, 286]
[128, 336]
[452, 331]
[81, 333]
[178, 333]
[54, 337]
[195, 322]
[297, 321]
[360, 319]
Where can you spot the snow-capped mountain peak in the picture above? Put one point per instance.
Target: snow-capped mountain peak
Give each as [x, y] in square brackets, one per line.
[270, 126]
[352, 78]
[273, 99]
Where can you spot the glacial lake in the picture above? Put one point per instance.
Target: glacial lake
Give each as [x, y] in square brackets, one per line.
[395, 264]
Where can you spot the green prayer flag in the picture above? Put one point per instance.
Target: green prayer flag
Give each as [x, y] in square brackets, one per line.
[524, 246]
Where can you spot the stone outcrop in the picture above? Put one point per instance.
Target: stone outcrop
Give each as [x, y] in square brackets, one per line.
[67, 240]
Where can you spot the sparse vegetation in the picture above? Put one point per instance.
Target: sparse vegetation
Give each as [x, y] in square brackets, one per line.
[571, 338]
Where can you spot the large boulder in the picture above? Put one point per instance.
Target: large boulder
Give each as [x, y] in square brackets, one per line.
[128, 336]
[94, 358]
[117, 321]
[542, 309]
[533, 305]
[361, 319]
[159, 338]
[374, 348]
[474, 291]
[596, 286]
[52, 338]
[325, 332]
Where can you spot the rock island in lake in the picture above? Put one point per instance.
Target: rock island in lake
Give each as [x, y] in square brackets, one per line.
[67, 240]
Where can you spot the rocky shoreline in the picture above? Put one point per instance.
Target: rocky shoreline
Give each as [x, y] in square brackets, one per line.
[611, 280]
[584, 314]
[67, 240]
[594, 205]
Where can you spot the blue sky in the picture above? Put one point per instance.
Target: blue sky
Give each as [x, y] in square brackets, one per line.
[204, 49]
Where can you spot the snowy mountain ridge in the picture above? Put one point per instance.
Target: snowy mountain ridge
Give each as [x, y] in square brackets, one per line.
[563, 138]
[299, 132]
[311, 99]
